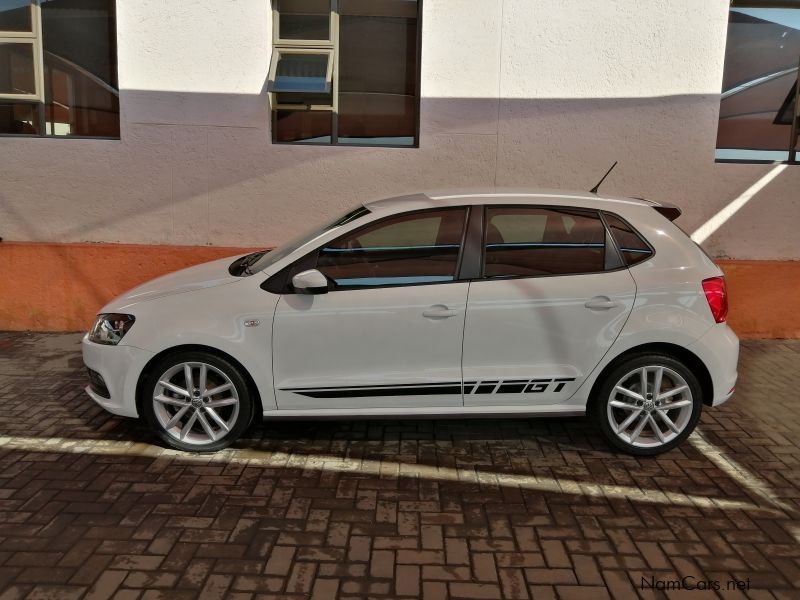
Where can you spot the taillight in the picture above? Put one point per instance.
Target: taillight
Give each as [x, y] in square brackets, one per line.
[717, 297]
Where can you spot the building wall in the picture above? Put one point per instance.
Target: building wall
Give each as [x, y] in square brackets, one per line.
[514, 92]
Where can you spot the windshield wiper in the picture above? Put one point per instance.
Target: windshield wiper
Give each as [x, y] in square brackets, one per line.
[242, 265]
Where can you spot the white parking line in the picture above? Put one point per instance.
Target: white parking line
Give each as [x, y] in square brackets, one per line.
[337, 464]
[737, 472]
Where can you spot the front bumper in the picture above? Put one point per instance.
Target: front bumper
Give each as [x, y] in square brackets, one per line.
[119, 367]
[719, 351]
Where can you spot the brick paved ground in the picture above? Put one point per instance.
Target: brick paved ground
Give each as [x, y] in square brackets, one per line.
[384, 509]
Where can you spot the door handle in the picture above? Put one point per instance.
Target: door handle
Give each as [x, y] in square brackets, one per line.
[439, 311]
[601, 303]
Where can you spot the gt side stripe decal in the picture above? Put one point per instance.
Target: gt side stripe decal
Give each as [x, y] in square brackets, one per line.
[510, 386]
[397, 391]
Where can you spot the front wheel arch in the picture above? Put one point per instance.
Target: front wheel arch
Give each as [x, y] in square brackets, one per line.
[252, 388]
[689, 358]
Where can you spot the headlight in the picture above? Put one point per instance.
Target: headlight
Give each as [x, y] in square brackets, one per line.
[110, 328]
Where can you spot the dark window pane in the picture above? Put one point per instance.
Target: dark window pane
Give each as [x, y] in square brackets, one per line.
[303, 126]
[378, 54]
[302, 73]
[19, 118]
[15, 15]
[379, 8]
[761, 60]
[377, 119]
[16, 69]
[80, 59]
[537, 241]
[404, 250]
[304, 99]
[304, 19]
[633, 248]
[378, 72]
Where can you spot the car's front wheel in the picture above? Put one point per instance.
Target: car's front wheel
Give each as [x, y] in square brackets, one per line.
[648, 404]
[196, 401]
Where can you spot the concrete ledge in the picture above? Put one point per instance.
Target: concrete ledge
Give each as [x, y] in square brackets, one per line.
[60, 287]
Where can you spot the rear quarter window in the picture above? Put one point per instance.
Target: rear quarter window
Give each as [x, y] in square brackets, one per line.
[632, 246]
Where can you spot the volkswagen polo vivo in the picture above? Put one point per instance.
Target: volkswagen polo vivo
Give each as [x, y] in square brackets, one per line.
[477, 303]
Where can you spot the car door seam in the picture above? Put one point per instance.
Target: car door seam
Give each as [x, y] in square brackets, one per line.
[463, 335]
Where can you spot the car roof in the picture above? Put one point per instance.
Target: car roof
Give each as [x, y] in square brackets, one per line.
[495, 195]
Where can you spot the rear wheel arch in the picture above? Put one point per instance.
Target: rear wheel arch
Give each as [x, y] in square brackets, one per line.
[251, 384]
[687, 357]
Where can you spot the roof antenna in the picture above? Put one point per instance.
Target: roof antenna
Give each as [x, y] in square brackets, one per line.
[597, 187]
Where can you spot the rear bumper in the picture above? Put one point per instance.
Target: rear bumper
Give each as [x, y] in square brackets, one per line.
[119, 367]
[719, 351]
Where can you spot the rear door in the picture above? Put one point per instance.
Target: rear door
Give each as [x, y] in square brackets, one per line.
[552, 298]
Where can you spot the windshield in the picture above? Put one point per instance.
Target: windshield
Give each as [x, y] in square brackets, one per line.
[273, 256]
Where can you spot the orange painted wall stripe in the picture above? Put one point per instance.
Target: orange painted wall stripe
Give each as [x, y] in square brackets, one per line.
[60, 287]
[763, 297]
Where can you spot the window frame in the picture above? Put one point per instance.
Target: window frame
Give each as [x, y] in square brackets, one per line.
[333, 45]
[34, 37]
[749, 155]
[277, 53]
[333, 28]
[281, 282]
[588, 211]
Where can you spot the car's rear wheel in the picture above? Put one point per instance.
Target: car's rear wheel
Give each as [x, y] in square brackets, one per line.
[196, 401]
[648, 404]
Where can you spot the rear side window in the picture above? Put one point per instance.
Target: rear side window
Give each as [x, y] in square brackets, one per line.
[403, 250]
[631, 245]
[529, 241]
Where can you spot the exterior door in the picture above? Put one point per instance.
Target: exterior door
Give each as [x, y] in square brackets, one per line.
[548, 307]
[389, 333]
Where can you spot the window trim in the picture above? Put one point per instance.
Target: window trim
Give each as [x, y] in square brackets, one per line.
[277, 54]
[34, 38]
[309, 260]
[596, 212]
[333, 28]
[333, 46]
[38, 100]
[791, 152]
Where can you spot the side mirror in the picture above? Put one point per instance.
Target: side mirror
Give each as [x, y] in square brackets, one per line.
[310, 282]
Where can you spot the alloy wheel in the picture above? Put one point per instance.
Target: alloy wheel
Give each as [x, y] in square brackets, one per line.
[196, 403]
[650, 406]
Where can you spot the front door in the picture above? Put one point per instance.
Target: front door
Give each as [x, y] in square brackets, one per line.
[548, 307]
[389, 332]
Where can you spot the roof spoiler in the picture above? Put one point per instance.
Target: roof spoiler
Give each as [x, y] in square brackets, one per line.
[670, 211]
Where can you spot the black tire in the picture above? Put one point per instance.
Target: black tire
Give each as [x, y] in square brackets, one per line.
[243, 417]
[599, 405]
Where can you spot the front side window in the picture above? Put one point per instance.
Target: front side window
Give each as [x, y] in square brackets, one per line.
[404, 250]
[530, 241]
[345, 72]
[58, 68]
[758, 106]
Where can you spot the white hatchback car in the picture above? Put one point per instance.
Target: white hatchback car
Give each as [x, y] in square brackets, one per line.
[473, 303]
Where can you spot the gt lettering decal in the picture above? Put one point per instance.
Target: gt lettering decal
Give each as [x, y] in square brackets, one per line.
[516, 386]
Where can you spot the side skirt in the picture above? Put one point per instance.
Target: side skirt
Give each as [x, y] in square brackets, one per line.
[459, 412]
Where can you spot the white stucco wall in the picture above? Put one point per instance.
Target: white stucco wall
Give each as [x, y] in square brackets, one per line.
[515, 92]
